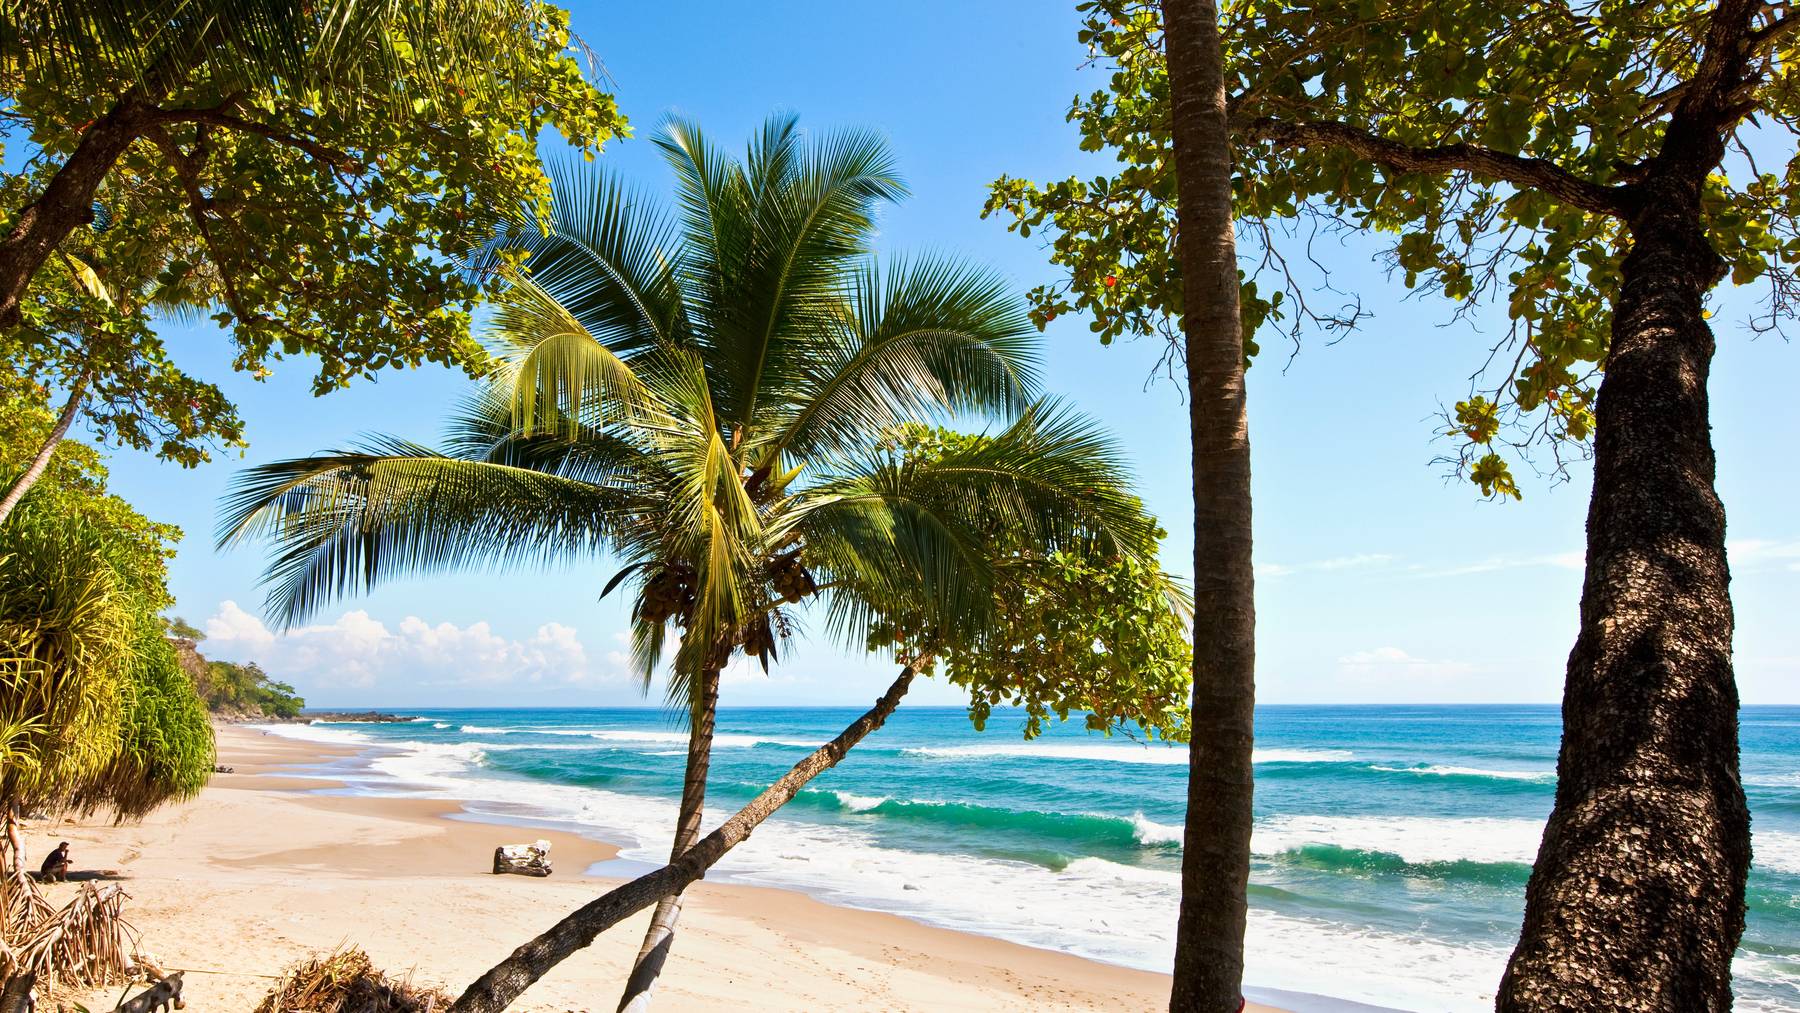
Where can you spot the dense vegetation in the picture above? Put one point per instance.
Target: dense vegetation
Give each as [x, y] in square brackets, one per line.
[95, 708]
[230, 689]
[306, 174]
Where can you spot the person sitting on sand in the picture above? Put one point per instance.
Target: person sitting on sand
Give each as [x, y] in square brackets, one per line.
[56, 865]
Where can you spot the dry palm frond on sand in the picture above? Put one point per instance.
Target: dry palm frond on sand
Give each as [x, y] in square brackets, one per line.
[85, 943]
[347, 982]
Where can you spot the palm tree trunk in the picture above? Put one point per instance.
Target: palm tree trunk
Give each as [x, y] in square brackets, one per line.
[660, 937]
[507, 980]
[36, 470]
[67, 202]
[1215, 862]
[1636, 902]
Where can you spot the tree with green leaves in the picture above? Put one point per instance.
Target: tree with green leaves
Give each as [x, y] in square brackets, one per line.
[711, 401]
[238, 690]
[1599, 169]
[306, 173]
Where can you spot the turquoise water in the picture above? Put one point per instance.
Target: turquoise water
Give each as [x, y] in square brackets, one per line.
[1392, 844]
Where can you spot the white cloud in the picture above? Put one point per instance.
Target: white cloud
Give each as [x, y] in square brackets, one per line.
[1317, 565]
[745, 670]
[1559, 560]
[1748, 553]
[358, 651]
[233, 624]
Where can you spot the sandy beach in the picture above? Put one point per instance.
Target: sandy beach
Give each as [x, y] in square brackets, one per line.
[260, 871]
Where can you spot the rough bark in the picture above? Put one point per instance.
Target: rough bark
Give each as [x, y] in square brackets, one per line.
[507, 980]
[660, 937]
[1636, 901]
[24, 482]
[67, 203]
[1215, 865]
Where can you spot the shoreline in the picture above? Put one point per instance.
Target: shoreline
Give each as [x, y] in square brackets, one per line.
[263, 869]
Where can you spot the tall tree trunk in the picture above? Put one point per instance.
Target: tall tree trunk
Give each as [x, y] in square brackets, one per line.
[36, 470]
[505, 981]
[1215, 862]
[1637, 898]
[67, 203]
[660, 937]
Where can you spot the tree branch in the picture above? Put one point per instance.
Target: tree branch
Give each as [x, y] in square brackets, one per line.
[219, 117]
[1525, 173]
[1764, 38]
[1721, 75]
[187, 167]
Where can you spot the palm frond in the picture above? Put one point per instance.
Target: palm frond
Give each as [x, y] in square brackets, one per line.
[809, 224]
[942, 526]
[925, 339]
[328, 47]
[558, 376]
[344, 522]
[606, 255]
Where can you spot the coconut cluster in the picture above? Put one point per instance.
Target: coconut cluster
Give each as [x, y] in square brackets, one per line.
[791, 580]
[669, 593]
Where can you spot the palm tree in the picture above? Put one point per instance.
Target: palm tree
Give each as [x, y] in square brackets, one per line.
[711, 400]
[1215, 859]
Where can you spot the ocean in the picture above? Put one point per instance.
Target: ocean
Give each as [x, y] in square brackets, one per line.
[1392, 843]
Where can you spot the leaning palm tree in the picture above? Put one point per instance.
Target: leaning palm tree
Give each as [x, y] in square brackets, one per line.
[710, 400]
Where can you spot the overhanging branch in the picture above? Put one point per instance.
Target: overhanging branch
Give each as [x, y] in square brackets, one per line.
[1525, 173]
[218, 117]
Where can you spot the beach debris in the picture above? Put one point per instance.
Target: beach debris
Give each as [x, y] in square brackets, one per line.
[158, 998]
[82, 945]
[347, 981]
[523, 859]
[220, 769]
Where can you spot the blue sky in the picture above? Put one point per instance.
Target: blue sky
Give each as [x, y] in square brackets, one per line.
[1378, 580]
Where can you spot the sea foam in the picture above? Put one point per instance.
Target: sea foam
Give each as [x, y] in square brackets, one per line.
[1447, 770]
[1154, 754]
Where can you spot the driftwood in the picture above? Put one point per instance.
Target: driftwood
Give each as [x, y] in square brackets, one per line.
[17, 996]
[158, 998]
[523, 859]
